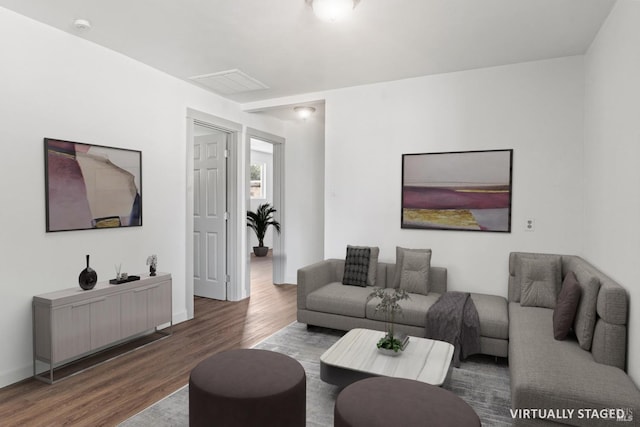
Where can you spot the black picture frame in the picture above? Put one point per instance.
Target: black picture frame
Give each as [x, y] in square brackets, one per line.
[90, 186]
[457, 190]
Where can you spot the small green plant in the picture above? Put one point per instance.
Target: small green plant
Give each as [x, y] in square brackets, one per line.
[389, 306]
[260, 220]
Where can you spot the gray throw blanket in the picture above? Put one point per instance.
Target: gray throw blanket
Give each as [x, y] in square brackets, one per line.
[454, 319]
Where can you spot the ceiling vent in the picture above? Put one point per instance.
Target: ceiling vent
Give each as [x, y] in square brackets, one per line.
[229, 82]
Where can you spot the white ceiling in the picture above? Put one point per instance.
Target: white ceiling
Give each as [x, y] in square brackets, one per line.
[283, 45]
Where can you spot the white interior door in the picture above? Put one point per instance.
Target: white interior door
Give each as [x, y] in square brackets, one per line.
[209, 213]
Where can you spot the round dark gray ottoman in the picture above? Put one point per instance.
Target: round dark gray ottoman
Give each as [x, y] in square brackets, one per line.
[383, 402]
[247, 387]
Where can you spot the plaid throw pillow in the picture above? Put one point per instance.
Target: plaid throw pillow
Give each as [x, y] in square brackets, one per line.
[356, 266]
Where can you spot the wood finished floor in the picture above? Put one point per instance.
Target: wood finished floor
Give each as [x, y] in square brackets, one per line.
[107, 394]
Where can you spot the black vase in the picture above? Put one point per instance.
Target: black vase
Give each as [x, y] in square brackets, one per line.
[88, 277]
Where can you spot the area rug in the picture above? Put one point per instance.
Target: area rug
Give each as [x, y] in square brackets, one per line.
[481, 381]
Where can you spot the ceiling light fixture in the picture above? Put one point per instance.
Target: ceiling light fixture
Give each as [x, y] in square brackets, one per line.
[82, 25]
[333, 10]
[304, 112]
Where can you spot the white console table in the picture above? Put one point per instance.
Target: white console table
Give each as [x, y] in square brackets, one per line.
[73, 323]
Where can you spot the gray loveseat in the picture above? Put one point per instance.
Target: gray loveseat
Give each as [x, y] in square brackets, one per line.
[557, 375]
[324, 301]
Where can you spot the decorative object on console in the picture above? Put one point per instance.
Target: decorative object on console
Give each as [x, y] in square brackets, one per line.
[389, 306]
[88, 277]
[467, 190]
[91, 186]
[259, 221]
[152, 262]
[124, 278]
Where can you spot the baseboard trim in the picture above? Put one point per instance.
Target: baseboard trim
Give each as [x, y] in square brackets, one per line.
[17, 375]
[180, 317]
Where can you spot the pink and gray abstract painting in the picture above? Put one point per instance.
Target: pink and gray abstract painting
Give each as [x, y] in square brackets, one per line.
[91, 186]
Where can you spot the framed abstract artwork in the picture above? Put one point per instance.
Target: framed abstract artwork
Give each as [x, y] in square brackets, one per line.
[91, 186]
[466, 190]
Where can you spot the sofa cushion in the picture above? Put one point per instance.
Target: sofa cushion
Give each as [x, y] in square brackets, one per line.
[612, 303]
[550, 374]
[586, 315]
[414, 276]
[538, 279]
[414, 310]
[373, 266]
[493, 314]
[609, 343]
[566, 306]
[400, 260]
[336, 298]
[514, 269]
[356, 266]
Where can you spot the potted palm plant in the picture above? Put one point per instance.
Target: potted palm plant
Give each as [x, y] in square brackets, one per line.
[390, 343]
[259, 221]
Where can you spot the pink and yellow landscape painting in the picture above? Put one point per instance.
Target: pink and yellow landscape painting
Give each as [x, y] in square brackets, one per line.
[468, 190]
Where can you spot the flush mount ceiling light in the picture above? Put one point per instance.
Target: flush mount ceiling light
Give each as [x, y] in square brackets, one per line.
[304, 112]
[82, 24]
[332, 10]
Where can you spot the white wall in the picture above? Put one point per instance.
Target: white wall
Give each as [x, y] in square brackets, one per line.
[612, 150]
[60, 86]
[304, 190]
[535, 108]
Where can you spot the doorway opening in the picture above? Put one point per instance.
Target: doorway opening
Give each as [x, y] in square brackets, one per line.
[265, 183]
[261, 199]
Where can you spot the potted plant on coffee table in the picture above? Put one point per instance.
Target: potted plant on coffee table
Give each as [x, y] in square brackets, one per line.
[390, 343]
[259, 221]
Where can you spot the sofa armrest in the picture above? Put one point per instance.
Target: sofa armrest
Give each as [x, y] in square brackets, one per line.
[313, 277]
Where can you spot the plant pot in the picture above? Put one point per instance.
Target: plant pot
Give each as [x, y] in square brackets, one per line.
[385, 347]
[261, 250]
[389, 352]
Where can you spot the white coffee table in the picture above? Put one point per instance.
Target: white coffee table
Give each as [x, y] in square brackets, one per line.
[355, 356]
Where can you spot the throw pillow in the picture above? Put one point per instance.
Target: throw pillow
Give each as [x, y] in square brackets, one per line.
[420, 263]
[414, 276]
[552, 259]
[356, 266]
[566, 306]
[586, 314]
[373, 266]
[538, 279]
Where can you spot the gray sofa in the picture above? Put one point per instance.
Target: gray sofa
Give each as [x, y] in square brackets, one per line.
[560, 375]
[324, 301]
